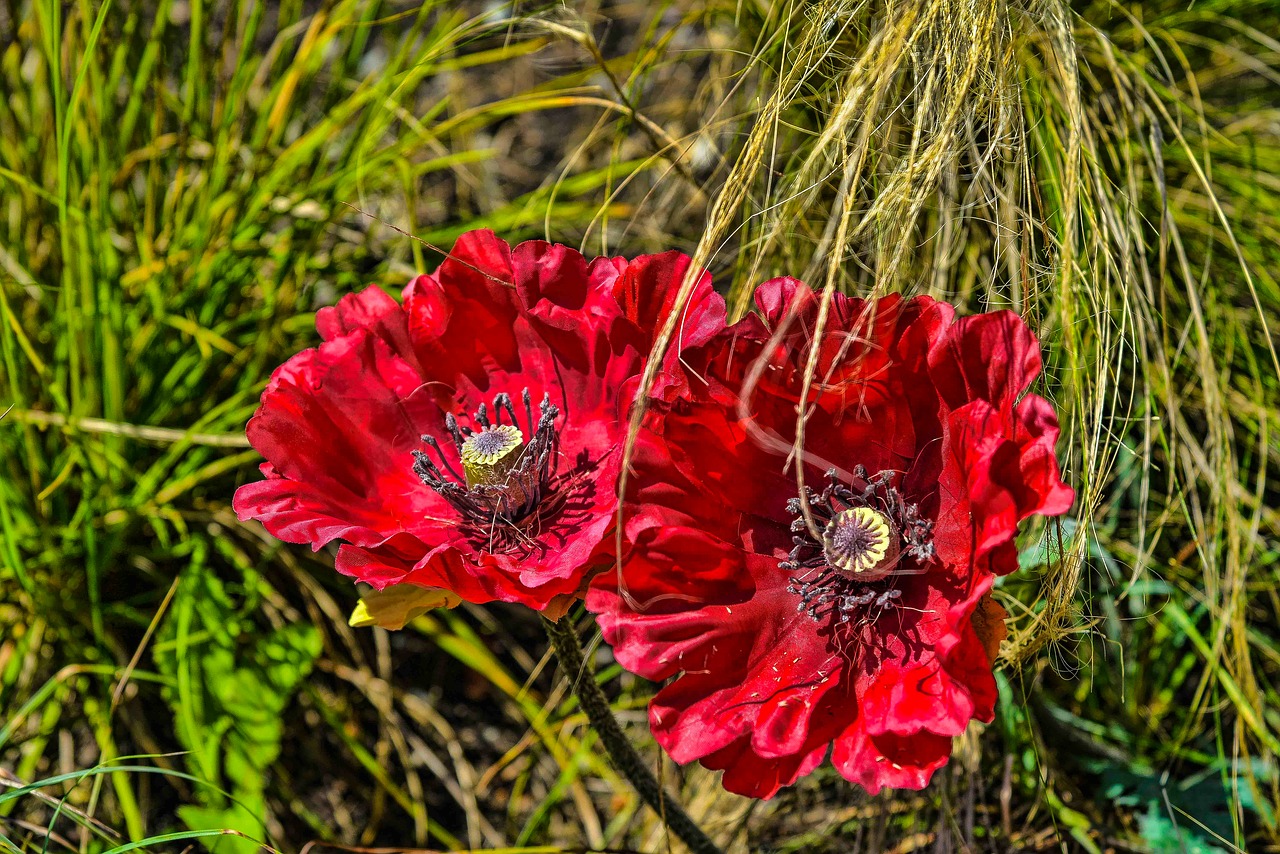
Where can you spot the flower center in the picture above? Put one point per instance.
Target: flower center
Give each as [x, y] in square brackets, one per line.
[868, 533]
[506, 484]
[859, 541]
[487, 456]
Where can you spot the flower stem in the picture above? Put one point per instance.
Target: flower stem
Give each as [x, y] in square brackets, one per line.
[564, 638]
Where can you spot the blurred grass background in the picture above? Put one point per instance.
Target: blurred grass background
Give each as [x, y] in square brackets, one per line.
[183, 183]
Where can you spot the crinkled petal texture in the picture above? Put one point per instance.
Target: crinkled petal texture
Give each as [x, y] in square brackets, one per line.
[760, 688]
[339, 424]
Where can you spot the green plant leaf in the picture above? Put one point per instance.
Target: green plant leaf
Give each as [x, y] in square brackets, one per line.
[230, 692]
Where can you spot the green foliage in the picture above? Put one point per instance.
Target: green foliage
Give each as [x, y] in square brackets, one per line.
[178, 194]
[229, 685]
[1174, 816]
[181, 184]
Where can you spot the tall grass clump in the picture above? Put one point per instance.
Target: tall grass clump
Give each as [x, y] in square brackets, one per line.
[1086, 167]
[183, 183]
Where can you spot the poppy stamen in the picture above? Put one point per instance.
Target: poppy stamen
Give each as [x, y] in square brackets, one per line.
[867, 530]
[505, 481]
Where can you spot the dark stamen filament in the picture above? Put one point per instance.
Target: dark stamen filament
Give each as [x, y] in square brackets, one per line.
[854, 584]
[505, 499]
[435, 446]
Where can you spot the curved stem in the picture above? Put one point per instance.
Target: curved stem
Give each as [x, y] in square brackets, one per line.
[564, 639]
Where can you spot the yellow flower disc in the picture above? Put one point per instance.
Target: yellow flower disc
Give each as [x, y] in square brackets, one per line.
[487, 456]
[858, 541]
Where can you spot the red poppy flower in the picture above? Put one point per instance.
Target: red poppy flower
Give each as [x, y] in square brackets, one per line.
[863, 625]
[468, 440]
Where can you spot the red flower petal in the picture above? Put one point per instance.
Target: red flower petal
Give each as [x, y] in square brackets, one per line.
[889, 761]
[370, 310]
[991, 357]
[465, 312]
[775, 665]
[340, 425]
[747, 773]
[646, 293]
